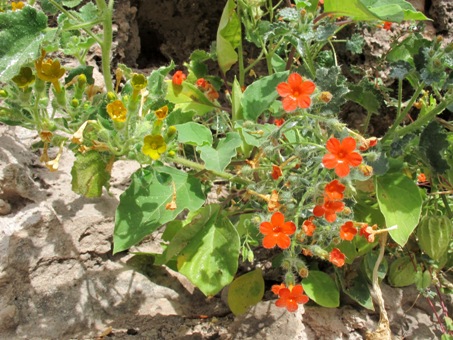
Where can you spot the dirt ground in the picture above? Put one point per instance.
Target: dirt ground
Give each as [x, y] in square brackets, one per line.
[58, 277]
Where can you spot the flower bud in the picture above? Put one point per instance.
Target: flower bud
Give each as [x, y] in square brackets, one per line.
[3, 94]
[81, 80]
[325, 97]
[111, 96]
[171, 153]
[75, 103]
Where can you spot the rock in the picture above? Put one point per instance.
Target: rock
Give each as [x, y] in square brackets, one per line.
[5, 207]
[267, 321]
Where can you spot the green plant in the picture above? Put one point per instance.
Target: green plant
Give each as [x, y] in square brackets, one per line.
[271, 154]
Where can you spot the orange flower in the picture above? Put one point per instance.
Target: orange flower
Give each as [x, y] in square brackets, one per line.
[290, 298]
[336, 257]
[387, 25]
[178, 78]
[202, 83]
[308, 226]
[348, 231]
[334, 190]
[421, 178]
[328, 209]
[276, 231]
[368, 232]
[279, 121]
[341, 156]
[296, 92]
[276, 288]
[276, 172]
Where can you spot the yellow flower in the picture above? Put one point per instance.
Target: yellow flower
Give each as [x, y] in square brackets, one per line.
[17, 5]
[117, 111]
[24, 78]
[154, 146]
[46, 136]
[162, 112]
[49, 70]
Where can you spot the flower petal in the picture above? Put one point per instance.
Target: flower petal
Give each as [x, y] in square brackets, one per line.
[288, 228]
[297, 290]
[330, 161]
[348, 144]
[333, 145]
[303, 101]
[291, 305]
[284, 90]
[266, 228]
[318, 211]
[289, 104]
[308, 87]
[342, 169]
[354, 159]
[269, 241]
[278, 219]
[295, 80]
[283, 241]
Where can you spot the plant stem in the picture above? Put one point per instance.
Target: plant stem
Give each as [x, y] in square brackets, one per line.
[426, 118]
[401, 115]
[106, 45]
[384, 325]
[201, 167]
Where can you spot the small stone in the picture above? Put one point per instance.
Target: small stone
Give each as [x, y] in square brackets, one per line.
[5, 207]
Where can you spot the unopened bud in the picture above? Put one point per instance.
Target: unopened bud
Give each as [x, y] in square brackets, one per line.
[81, 80]
[325, 96]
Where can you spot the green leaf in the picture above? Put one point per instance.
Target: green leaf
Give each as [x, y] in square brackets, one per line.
[400, 203]
[370, 10]
[402, 272]
[142, 205]
[261, 94]
[194, 134]
[355, 285]
[364, 96]
[188, 97]
[433, 145]
[89, 174]
[246, 291]
[21, 34]
[355, 44]
[207, 250]
[82, 69]
[156, 81]
[228, 37]
[321, 289]
[256, 134]
[219, 158]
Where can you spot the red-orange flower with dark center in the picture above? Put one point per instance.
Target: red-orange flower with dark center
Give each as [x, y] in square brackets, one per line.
[341, 155]
[178, 78]
[276, 231]
[328, 209]
[296, 92]
[276, 172]
[336, 257]
[334, 190]
[308, 226]
[291, 298]
[348, 231]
